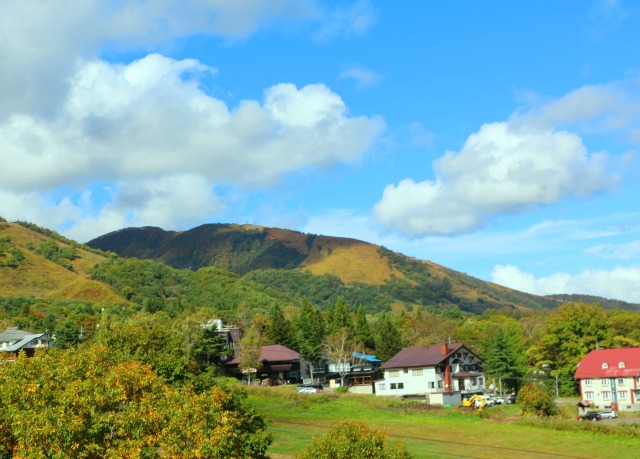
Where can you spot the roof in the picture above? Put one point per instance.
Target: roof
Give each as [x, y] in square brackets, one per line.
[619, 363]
[13, 334]
[423, 356]
[273, 353]
[23, 342]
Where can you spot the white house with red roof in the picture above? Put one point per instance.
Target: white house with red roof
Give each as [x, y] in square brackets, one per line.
[434, 372]
[610, 379]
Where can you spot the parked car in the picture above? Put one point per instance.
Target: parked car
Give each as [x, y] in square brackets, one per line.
[511, 399]
[590, 416]
[608, 414]
[307, 390]
[303, 387]
[498, 400]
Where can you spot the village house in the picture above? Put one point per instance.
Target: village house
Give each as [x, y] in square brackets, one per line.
[13, 340]
[440, 374]
[610, 379]
[278, 365]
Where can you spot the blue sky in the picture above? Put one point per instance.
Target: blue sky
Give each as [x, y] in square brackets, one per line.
[496, 138]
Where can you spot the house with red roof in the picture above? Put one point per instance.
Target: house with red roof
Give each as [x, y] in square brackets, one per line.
[441, 373]
[610, 379]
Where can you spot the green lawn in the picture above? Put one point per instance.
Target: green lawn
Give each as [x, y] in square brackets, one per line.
[497, 432]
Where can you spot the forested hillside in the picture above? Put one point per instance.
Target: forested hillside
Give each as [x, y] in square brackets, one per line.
[319, 268]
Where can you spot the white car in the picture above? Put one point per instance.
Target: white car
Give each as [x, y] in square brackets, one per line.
[307, 390]
[498, 400]
[608, 415]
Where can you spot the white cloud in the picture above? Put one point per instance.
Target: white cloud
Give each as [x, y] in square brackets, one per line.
[619, 283]
[354, 19]
[626, 251]
[150, 120]
[501, 169]
[363, 77]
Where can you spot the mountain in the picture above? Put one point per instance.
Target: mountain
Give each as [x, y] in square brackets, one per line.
[319, 268]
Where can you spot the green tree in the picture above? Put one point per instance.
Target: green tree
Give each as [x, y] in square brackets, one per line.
[388, 339]
[504, 359]
[362, 331]
[67, 334]
[310, 335]
[354, 440]
[250, 353]
[571, 332]
[280, 329]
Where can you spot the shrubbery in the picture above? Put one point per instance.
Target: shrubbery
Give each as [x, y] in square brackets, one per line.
[354, 440]
[536, 401]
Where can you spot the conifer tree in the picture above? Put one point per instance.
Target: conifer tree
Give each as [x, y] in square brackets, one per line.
[362, 330]
[388, 339]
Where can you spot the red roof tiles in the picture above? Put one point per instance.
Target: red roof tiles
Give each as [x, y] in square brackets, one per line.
[620, 363]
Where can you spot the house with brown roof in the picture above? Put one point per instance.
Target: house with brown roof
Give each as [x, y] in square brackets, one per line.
[441, 373]
[278, 364]
[13, 340]
[610, 379]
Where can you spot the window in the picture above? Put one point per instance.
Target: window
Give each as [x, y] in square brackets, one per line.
[621, 364]
[588, 395]
[400, 385]
[416, 372]
[605, 365]
[439, 384]
[382, 386]
[480, 381]
[473, 381]
[393, 386]
[465, 367]
[432, 385]
[606, 395]
[621, 381]
[474, 367]
[405, 370]
[587, 381]
[394, 373]
[604, 381]
[622, 395]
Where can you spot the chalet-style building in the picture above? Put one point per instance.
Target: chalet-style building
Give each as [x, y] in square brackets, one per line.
[610, 379]
[279, 364]
[441, 374]
[13, 340]
[359, 373]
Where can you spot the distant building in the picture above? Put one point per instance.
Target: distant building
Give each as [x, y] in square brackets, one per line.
[13, 340]
[441, 374]
[610, 379]
[278, 365]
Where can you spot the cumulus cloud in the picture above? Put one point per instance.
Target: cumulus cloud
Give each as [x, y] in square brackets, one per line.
[501, 169]
[149, 122]
[619, 283]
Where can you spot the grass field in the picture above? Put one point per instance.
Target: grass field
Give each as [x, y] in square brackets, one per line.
[498, 432]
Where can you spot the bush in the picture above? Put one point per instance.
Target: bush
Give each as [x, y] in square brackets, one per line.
[354, 440]
[534, 400]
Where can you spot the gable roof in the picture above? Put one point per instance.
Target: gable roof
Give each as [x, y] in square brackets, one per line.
[273, 353]
[423, 356]
[12, 334]
[591, 365]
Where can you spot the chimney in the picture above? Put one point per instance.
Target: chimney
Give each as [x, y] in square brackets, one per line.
[445, 349]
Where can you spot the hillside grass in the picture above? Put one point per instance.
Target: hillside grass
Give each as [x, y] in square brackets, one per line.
[42, 278]
[350, 260]
[498, 432]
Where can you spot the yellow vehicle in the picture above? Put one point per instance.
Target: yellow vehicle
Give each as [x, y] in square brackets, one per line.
[475, 402]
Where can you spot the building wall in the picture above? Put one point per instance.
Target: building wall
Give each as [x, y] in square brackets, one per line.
[605, 393]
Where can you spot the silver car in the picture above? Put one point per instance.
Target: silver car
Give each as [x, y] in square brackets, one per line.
[608, 414]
